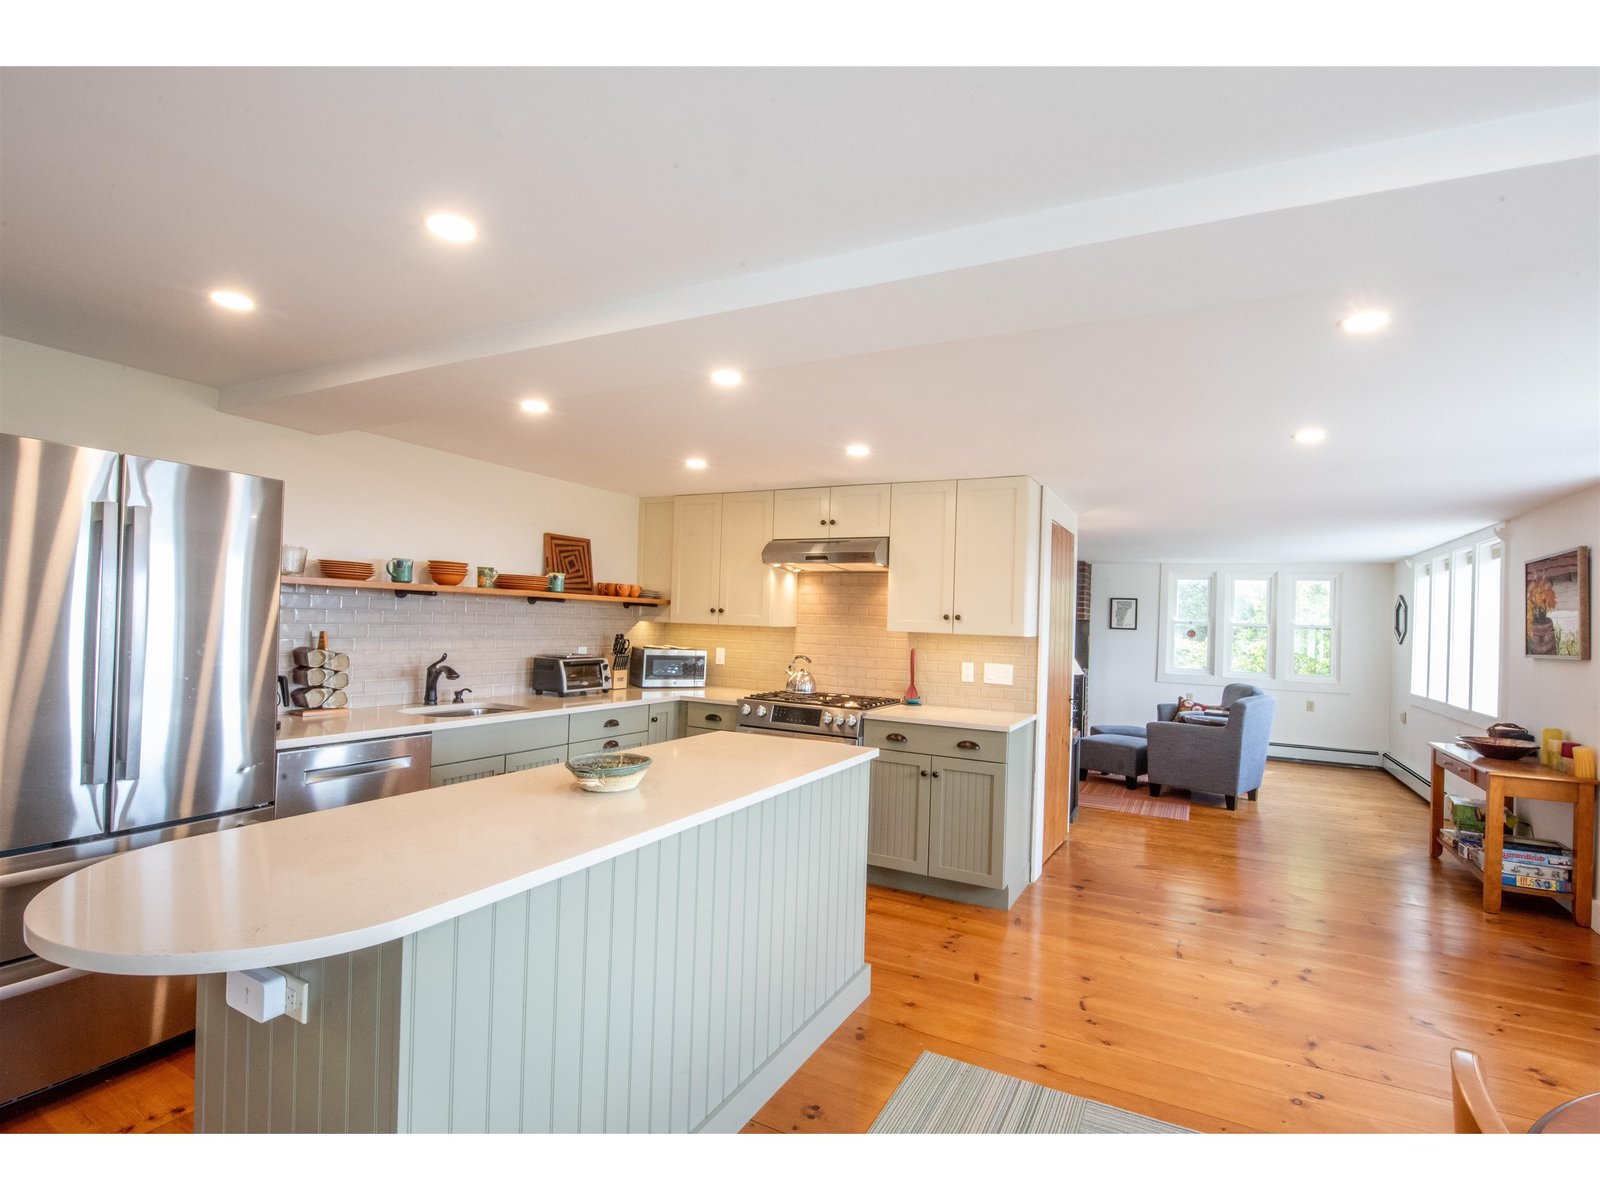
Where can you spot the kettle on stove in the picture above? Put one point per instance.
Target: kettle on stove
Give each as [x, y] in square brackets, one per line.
[799, 679]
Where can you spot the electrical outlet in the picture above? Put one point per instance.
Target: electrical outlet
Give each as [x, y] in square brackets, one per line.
[1402, 716]
[1188, 695]
[583, 649]
[997, 673]
[1311, 706]
[966, 673]
[722, 656]
[298, 1000]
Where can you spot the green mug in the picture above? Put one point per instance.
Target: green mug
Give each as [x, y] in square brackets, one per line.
[486, 576]
[399, 569]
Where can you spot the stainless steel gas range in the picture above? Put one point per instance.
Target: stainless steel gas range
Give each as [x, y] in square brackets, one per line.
[831, 715]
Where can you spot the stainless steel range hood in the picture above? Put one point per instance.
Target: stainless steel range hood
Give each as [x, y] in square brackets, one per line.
[828, 554]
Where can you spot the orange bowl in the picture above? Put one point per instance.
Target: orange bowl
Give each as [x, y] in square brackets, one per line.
[447, 576]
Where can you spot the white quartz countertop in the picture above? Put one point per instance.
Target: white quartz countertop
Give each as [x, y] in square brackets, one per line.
[965, 718]
[341, 880]
[297, 732]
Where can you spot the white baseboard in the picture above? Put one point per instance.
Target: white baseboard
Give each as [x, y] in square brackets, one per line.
[1332, 755]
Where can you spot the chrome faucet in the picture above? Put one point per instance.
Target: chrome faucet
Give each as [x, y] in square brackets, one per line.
[430, 689]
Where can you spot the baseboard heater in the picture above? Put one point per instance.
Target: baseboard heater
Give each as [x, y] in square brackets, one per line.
[1407, 776]
[1335, 756]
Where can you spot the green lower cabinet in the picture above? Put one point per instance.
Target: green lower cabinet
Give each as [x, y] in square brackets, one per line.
[625, 741]
[966, 821]
[666, 721]
[529, 759]
[897, 814]
[472, 768]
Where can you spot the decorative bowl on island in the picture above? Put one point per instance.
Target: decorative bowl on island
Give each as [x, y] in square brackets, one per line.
[609, 770]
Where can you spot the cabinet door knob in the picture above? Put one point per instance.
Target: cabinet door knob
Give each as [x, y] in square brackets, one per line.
[723, 610]
[831, 521]
[924, 774]
[947, 616]
[711, 610]
[958, 616]
[714, 717]
[967, 744]
[895, 737]
[611, 724]
[936, 774]
[611, 745]
[821, 522]
[653, 720]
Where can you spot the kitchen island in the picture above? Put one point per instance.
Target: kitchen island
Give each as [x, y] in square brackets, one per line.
[510, 953]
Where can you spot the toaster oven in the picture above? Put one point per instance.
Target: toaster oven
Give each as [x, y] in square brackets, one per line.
[668, 666]
[570, 674]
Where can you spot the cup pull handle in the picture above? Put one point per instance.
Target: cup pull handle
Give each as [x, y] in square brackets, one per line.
[611, 745]
[714, 717]
[895, 737]
[611, 724]
[967, 745]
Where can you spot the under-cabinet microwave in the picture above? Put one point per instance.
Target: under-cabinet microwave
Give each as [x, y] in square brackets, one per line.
[668, 666]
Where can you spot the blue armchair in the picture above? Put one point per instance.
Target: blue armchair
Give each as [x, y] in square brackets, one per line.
[1228, 760]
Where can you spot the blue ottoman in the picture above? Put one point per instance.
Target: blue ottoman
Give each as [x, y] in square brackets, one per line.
[1122, 754]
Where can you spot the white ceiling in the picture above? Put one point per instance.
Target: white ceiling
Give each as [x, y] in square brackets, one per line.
[1122, 282]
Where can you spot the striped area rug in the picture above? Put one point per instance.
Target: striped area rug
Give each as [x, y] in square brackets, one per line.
[1113, 797]
[942, 1095]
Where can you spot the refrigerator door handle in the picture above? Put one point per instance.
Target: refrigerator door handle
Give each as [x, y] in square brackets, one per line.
[135, 605]
[100, 632]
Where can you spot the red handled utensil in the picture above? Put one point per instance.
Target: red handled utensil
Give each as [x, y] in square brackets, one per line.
[911, 696]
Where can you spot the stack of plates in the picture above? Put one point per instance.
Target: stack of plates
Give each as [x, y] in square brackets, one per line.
[522, 583]
[446, 572]
[338, 568]
[649, 594]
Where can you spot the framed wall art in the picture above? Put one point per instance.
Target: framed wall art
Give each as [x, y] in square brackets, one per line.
[1124, 612]
[1556, 612]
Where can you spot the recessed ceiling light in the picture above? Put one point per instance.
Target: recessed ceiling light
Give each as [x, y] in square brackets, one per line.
[237, 301]
[534, 406]
[1309, 437]
[1370, 321]
[695, 464]
[452, 227]
[727, 377]
[857, 450]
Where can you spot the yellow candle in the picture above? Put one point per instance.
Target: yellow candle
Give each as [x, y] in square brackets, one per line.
[1583, 762]
[1550, 746]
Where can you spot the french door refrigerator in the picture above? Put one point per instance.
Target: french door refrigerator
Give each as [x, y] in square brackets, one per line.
[138, 630]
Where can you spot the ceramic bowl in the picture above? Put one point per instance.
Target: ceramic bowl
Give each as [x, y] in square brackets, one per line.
[1507, 748]
[447, 576]
[609, 770]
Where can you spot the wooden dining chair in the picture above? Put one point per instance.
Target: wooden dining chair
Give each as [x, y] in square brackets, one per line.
[1475, 1112]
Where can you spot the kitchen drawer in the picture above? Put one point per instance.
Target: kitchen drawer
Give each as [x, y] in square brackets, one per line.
[700, 717]
[985, 745]
[526, 760]
[472, 768]
[624, 741]
[609, 723]
[455, 744]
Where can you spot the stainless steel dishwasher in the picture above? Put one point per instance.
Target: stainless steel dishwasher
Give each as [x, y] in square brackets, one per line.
[343, 773]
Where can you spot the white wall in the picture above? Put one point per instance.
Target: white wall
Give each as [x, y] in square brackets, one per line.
[347, 495]
[1123, 689]
[1535, 693]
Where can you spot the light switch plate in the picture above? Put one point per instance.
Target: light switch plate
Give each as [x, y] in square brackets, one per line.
[997, 673]
[966, 673]
[722, 656]
[1311, 706]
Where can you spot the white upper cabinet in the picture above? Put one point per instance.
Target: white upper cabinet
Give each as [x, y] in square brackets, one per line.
[964, 557]
[856, 511]
[718, 577]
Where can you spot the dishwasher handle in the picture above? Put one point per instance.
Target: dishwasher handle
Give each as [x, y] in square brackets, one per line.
[353, 770]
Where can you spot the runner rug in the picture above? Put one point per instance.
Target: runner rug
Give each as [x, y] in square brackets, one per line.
[1113, 797]
[942, 1095]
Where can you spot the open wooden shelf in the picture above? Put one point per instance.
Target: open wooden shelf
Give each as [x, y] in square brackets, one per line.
[438, 589]
[1455, 853]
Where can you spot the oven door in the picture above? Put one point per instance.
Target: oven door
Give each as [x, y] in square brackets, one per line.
[585, 677]
[768, 731]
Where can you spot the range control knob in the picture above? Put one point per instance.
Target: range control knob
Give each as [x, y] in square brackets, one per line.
[850, 722]
[827, 718]
[761, 710]
[744, 710]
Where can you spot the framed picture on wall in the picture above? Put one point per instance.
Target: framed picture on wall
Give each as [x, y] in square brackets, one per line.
[1124, 612]
[1556, 618]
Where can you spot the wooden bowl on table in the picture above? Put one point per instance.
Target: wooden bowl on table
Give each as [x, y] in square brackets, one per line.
[1509, 749]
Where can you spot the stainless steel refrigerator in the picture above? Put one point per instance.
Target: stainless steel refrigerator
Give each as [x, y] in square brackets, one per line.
[138, 630]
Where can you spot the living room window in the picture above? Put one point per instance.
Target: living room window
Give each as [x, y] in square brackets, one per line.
[1252, 622]
[1248, 637]
[1455, 647]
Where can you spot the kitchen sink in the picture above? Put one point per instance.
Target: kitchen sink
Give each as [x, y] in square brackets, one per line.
[462, 710]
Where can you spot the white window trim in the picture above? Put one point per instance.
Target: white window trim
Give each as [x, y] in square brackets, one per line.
[1472, 541]
[1281, 647]
[1228, 624]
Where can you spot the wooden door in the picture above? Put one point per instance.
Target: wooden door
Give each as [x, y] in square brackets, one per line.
[897, 812]
[1058, 746]
[993, 530]
[922, 553]
[800, 513]
[696, 558]
[859, 511]
[966, 821]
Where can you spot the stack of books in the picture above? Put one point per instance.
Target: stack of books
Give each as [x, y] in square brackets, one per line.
[1524, 862]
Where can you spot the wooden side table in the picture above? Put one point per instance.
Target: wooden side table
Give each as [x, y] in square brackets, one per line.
[1501, 780]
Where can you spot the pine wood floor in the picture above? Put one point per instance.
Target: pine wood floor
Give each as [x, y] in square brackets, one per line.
[1300, 965]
